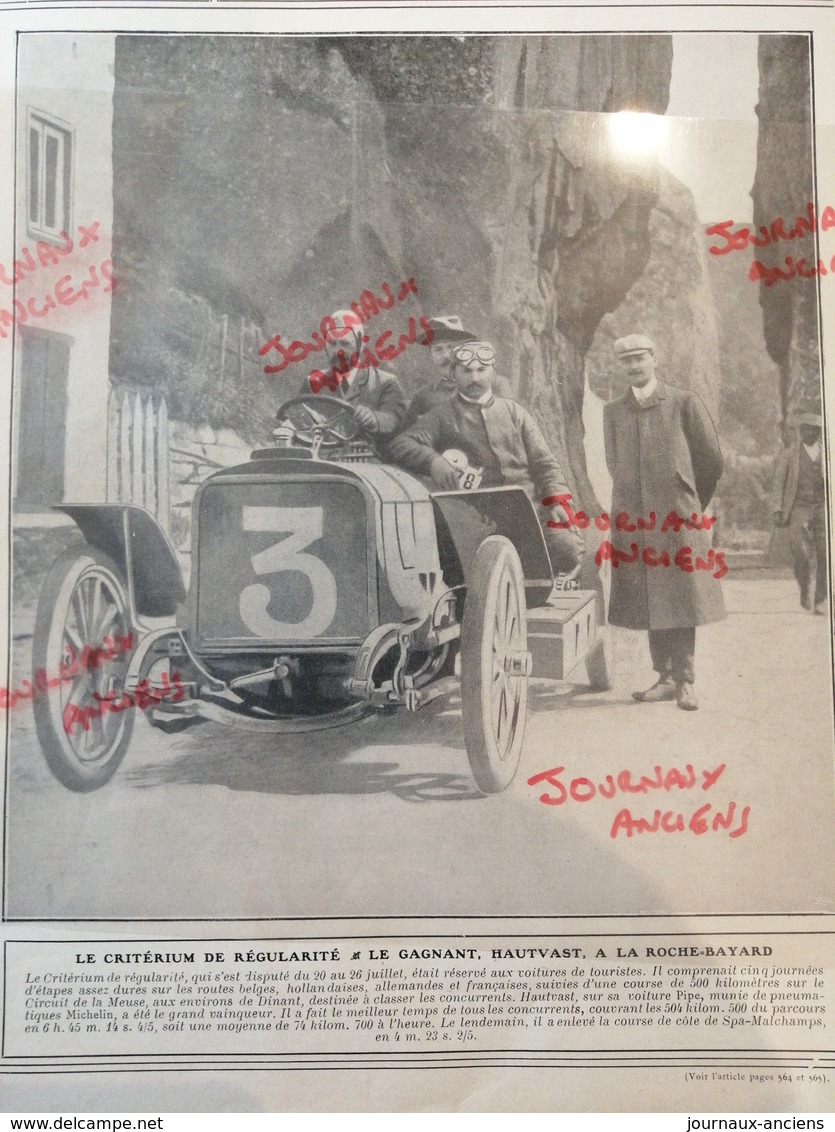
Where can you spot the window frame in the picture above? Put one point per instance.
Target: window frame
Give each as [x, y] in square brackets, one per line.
[48, 126]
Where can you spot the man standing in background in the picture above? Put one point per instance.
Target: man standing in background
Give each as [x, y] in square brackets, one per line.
[664, 458]
[799, 503]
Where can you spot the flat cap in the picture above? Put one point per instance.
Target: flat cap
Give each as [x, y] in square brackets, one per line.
[448, 328]
[809, 419]
[633, 344]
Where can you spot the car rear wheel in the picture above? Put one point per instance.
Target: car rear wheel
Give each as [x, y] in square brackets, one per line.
[495, 664]
[80, 655]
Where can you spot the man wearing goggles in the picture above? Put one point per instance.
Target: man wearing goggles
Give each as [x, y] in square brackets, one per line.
[475, 351]
[498, 437]
[447, 334]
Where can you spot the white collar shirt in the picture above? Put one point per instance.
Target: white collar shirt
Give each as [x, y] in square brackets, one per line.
[646, 391]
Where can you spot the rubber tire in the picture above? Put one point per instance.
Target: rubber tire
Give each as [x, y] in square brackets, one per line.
[496, 570]
[72, 569]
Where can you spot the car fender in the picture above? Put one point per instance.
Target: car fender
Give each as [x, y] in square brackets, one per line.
[136, 542]
[465, 518]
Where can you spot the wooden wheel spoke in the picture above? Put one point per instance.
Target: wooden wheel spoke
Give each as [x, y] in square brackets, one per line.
[76, 690]
[504, 719]
[108, 619]
[513, 627]
[96, 603]
[508, 599]
[89, 603]
[499, 694]
[501, 716]
[94, 738]
[80, 610]
[73, 639]
[73, 710]
[517, 703]
[500, 617]
[513, 630]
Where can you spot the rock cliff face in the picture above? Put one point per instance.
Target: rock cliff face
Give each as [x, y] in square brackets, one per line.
[782, 187]
[749, 406]
[672, 302]
[261, 183]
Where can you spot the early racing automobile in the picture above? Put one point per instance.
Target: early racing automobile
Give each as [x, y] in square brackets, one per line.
[325, 585]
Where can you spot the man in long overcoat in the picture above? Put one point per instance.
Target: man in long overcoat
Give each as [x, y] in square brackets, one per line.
[665, 461]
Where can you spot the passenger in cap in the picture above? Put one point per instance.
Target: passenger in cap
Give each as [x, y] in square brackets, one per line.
[476, 430]
[664, 458]
[376, 396]
[447, 333]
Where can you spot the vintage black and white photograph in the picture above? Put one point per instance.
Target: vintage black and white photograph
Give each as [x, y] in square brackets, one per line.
[418, 477]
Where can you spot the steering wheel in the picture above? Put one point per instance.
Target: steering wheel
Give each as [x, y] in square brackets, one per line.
[320, 421]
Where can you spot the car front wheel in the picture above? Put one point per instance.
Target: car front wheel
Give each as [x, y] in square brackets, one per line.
[495, 664]
[80, 655]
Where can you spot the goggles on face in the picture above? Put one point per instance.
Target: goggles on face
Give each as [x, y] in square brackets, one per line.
[482, 351]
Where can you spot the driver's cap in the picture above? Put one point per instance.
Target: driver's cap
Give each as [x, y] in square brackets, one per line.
[632, 344]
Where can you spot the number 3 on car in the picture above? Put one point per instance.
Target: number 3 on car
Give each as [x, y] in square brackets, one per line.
[303, 526]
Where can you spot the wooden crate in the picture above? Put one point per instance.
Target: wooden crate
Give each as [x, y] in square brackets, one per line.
[560, 634]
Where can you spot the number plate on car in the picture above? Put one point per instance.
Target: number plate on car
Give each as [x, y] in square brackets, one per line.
[282, 563]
